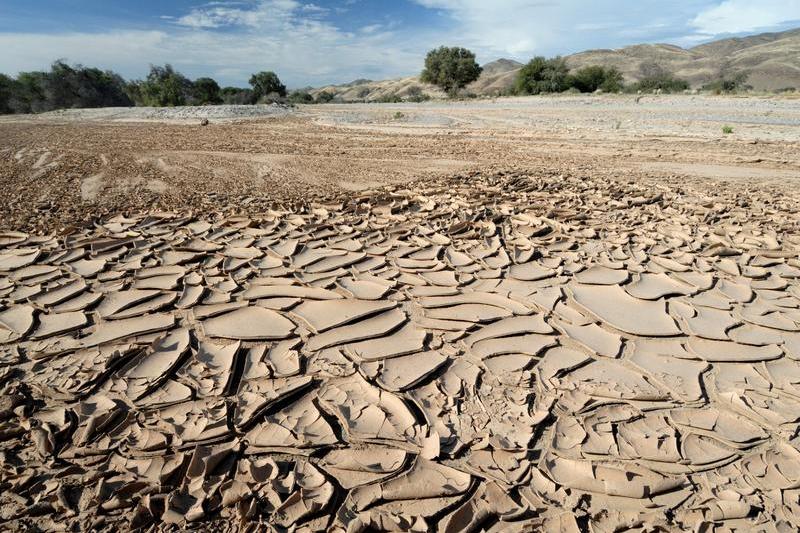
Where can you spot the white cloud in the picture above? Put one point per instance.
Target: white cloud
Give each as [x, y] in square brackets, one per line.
[736, 16]
[287, 36]
[523, 28]
[266, 13]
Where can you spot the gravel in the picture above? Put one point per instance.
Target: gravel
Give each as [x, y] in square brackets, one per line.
[127, 114]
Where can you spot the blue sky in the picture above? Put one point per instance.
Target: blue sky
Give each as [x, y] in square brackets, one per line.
[333, 41]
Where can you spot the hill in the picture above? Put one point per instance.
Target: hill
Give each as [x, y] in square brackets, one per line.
[771, 60]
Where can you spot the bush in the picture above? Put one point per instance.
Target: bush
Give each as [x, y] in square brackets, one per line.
[392, 98]
[325, 97]
[237, 96]
[727, 130]
[542, 75]
[301, 97]
[450, 68]
[265, 84]
[415, 94]
[593, 78]
[729, 84]
[163, 87]
[653, 77]
[206, 91]
[7, 88]
[63, 87]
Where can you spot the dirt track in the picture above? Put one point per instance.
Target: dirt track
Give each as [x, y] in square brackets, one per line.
[556, 327]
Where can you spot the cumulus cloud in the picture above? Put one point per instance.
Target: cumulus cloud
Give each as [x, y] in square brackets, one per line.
[229, 41]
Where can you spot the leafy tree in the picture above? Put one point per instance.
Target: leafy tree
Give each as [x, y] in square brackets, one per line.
[301, 97]
[7, 90]
[450, 68]
[206, 91]
[237, 96]
[30, 97]
[165, 87]
[592, 78]
[265, 84]
[654, 77]
[77, 86]
[542, 75]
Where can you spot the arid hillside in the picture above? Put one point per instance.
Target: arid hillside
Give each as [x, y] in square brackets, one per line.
[771, 60]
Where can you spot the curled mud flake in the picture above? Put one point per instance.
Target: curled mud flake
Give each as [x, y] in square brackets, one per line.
[249, 323]
[628, 314]
[655, 286]
[601, 275]
[324, 315]
[106, 332]
[16, 322]
[404, 372]
[722, 351]
[355, 467]
[593, 337]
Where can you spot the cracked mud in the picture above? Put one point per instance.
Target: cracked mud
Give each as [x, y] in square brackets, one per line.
[496, 353]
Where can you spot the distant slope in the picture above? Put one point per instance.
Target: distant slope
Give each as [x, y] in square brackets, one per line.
[772, 61]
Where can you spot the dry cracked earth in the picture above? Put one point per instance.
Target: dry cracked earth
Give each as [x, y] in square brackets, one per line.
[493, 352]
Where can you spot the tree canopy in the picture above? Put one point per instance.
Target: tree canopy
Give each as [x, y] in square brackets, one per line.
[450, 68]
[265, 84]
[206, 91]
[593, 78]
[542, 75]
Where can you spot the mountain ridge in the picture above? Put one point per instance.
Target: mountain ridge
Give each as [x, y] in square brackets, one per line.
[771, 60]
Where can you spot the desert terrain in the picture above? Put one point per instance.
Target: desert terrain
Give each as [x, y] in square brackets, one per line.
[770, 61]
[572, 313]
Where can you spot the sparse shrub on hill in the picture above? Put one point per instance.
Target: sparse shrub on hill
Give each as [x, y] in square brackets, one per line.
[267, 87]
[450, 68]
[729, 83]
[541, 75]
[595, 77]
[392, 98]
[206, 91]
[301, 97]
[415, 94]
[654, 77]
[324, 97]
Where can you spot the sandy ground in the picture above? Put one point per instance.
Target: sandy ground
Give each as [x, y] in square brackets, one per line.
[562, 314]
[99, 162]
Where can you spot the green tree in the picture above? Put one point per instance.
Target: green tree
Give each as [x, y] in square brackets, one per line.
[450, 68]
[165, 87]
[592, 78]
[301, 97]
[77, 86]
[265, 84]
[206, 91]
[7, 89]
[654, 77]
[542, 75]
